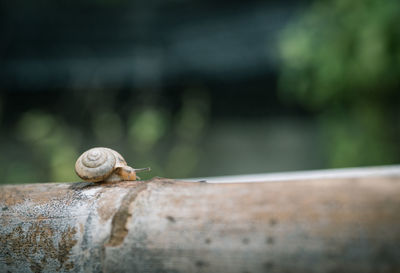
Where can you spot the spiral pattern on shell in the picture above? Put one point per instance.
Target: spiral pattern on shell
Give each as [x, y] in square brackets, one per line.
[95, 164]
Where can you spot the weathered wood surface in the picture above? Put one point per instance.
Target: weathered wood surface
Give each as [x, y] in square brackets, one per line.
[319, 225]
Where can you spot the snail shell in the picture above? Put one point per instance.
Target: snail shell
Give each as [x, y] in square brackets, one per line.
[104, 164]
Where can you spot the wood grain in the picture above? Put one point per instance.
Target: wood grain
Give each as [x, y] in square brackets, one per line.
[163, 225]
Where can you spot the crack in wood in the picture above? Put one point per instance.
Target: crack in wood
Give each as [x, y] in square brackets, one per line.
[120, 218]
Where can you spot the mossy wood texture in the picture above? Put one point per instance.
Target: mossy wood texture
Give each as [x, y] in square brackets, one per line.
[161, 225]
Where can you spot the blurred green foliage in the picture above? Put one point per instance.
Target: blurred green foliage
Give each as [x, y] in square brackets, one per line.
[341, 60]
[43, 146]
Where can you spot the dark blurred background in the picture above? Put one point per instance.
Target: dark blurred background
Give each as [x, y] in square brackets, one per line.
[198, 88]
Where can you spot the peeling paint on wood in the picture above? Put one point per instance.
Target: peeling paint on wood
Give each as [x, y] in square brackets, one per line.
[162, 225]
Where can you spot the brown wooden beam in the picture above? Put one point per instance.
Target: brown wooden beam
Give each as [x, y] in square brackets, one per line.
[162, 225]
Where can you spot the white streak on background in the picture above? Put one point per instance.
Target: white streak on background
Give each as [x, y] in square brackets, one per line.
[393, 170]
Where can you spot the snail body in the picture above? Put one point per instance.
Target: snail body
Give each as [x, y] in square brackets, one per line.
[104, 164]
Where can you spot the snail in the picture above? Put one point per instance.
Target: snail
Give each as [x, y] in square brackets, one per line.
[103, 164]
